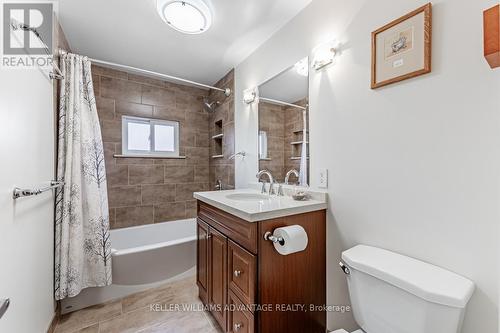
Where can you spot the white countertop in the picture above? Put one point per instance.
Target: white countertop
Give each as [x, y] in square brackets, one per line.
[253, 211]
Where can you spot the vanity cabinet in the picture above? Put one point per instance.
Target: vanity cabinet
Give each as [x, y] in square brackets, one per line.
[248, 286]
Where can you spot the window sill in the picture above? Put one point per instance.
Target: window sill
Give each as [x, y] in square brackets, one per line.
[150, 156]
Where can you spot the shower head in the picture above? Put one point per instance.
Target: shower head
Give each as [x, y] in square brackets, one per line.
[210, 106]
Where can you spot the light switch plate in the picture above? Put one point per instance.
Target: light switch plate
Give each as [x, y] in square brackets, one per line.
[323, 178]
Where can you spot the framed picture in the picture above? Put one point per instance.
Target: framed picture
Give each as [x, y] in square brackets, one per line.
[402, 48]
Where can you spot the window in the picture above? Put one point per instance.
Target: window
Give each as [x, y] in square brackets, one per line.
[150, 137]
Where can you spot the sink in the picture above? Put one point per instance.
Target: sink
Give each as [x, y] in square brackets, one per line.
[247, 197]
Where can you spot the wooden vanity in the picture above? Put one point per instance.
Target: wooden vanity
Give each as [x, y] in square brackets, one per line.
[248, 286]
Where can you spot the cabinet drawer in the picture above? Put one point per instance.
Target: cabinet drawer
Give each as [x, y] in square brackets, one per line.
[239, 230]
[240, 320]
[242, 272]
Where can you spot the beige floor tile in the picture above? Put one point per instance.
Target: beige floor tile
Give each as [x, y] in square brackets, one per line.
[78, 320]
[183, 322]
[147, 297]
[134, 321]
[90, 329]
[134, 313]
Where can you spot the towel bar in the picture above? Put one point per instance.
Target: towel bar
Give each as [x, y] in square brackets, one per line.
[19, 192]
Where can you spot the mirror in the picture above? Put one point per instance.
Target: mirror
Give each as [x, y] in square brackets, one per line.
[284, 124]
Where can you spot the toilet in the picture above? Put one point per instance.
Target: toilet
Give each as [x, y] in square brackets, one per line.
[392, 293]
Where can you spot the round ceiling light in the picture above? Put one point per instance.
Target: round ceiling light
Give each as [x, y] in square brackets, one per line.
[188, 16]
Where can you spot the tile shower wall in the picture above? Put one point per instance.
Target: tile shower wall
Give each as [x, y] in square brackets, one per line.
[283, 126]
[140, 190]
[272, 121]
[222, 168]
[294, 126]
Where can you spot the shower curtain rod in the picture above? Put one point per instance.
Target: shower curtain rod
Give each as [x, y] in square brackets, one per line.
[282, 103]
[226, 91]
[56, 74]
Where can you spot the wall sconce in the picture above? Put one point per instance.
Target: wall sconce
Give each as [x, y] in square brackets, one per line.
[250, 95]
[302, 67]
[324, 55]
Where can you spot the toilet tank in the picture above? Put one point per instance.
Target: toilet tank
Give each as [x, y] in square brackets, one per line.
[392, 293]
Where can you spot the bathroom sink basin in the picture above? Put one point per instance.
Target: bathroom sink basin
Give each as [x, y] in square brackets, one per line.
[247, 197]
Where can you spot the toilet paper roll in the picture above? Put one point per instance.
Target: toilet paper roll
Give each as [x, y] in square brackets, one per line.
[295, 239]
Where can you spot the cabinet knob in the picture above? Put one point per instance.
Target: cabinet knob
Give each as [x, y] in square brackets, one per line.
[237, 327]
[209, 236]
[237, 273]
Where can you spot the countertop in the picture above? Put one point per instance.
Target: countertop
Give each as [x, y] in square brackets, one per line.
[257, 210]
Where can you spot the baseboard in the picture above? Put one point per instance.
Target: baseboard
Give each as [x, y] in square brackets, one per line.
[55, 318]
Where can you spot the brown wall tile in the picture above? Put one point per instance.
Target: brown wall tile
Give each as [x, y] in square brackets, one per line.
[135, 185]
[111, 131]
[123, 196]
[133, 216]
[184, 192]
[105, 108]
[169, 212]
[117, 174]
[201, 174]
[157, 96]
[191, 209]
[158, 194]
[133, 109]
[121, 90]
[145, 174]
[179, 174]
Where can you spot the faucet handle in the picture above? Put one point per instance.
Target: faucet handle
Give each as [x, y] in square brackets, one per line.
[263, 190]
[272, 190]
[280, 190]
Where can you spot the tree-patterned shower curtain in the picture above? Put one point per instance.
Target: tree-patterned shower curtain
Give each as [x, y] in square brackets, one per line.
[82, 239]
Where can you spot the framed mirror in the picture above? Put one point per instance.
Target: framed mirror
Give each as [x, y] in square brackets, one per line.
[284, 124]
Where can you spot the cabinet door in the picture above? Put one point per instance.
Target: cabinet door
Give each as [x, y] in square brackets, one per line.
[217, 290]
[202, 271]
[240, 319]
[242, 272]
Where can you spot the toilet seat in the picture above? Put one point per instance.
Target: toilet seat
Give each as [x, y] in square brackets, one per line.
[344, 331]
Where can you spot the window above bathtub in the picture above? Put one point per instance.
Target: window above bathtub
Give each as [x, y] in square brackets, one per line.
[145, 137]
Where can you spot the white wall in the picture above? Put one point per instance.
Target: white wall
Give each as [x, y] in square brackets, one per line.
[26, 225]
[414, 167]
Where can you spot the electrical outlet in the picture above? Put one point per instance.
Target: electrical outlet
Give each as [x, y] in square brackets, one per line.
[323, 178]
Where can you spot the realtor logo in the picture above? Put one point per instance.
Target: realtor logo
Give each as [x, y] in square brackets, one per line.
[27, 28]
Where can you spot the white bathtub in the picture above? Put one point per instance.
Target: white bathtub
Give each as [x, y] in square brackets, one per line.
[143, 257]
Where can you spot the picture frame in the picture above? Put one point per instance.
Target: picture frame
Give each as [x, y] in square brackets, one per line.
[402, 49]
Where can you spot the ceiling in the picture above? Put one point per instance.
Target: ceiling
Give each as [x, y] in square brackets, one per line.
[288, 86]
[130, 32]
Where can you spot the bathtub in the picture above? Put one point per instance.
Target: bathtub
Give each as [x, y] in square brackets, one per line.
[143, 257]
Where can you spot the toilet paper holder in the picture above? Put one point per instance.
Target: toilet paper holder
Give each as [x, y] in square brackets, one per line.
[268, 236]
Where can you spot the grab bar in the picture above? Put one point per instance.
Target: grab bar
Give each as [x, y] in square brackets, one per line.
[19, 192]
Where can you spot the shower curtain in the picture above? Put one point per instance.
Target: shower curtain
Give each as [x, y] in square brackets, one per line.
[82, 238]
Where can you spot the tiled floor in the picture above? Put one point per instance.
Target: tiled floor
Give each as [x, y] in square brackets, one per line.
[144, 312]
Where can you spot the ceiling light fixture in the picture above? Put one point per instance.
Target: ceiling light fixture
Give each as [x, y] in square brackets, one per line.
[188, 16]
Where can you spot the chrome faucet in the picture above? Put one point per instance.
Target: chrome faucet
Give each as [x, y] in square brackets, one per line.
[271, 181]
[218, 185]
[294, 172]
